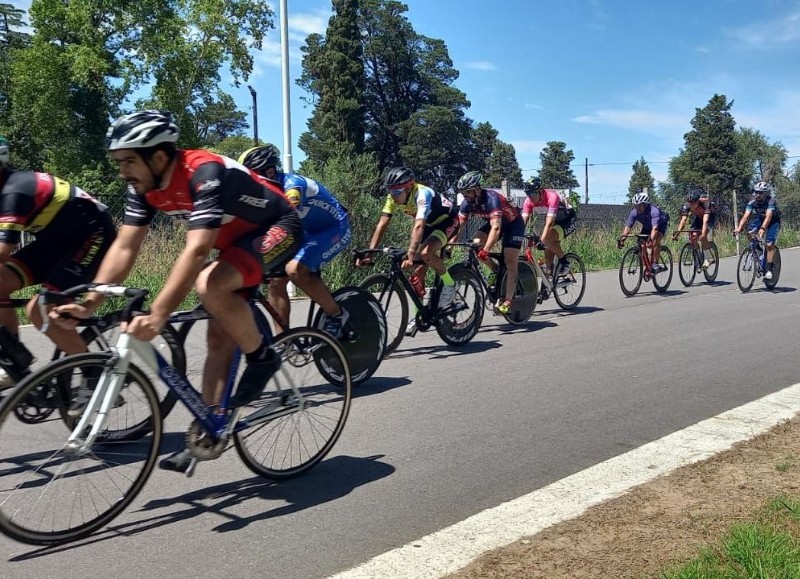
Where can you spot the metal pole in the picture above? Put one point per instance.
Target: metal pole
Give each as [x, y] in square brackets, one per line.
[287, 118]
[255, 115]
[736, 219]
[586, 179]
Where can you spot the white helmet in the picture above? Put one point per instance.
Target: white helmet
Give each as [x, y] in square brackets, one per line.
[141, 130]
[761, 187]
[641, 198]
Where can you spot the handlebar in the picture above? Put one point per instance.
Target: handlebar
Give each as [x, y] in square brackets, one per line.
[135, 297]
[393, 252]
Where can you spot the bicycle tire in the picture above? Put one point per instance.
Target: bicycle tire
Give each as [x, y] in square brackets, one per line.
[453, 328]
[575, 277]
[281, 444]
[776, 271]
[364, 348]
[710, 273]
[38, 451]
[394, 302]
[525, 295]
[746, 270]
[658, 279]
[167, 398]
[687, 265]
[630, 270]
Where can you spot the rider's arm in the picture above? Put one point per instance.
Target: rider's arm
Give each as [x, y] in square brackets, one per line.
[199, 243]
[380, 229]
[416, 239]
[742, 221]
[681, 223]
[549, 221]
[706, 219]
[118, 261]
[494, 232]
[767, 219]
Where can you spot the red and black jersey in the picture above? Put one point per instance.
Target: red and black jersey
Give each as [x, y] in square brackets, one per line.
[210, 191]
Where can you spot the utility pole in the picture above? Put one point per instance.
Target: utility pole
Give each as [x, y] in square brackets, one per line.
[586, 180]
[255, 115]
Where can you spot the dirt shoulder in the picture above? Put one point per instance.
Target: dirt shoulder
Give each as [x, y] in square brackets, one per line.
[659, 523]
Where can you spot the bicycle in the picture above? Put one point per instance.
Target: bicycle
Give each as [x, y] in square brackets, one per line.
[60, 485]
[753, 264]
[456, 323]
[636, 265]
[525, 294]
[567, 289]
[690, 260]
[365, 332]
[16, 359]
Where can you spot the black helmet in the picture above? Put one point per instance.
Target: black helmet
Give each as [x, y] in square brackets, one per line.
[397, 176]
[694, 195]
[469, 180]
[532, 185]
[261, 158]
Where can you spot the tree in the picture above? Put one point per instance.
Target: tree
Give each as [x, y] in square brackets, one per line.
[494, 158]
[642, 178]
[711, 158]
[333, 71]
[555, 171]
[233, 146]
[11, 19]
[764, 159]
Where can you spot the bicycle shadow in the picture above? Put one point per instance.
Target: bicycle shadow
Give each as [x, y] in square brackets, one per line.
[717, 283]
[379, 384]
[559, 312]
[529, 326]
[669, 292]
[447, 351]
[330, 480]
[775, 290]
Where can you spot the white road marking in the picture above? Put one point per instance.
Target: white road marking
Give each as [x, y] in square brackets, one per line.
[454, 547]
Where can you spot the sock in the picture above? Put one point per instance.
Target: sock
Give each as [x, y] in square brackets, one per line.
[447, 279]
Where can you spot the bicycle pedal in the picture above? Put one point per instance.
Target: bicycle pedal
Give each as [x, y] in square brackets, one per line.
[190, 469]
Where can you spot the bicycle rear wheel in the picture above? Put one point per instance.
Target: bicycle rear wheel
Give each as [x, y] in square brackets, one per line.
[568, 289]
[394, 301]
[527, 289]
[746, 270]
[687, 265]
[776, 271]
[662, 279]
[630, 272]
[51, 493]
[460, 321]
[712, 270]
[300, 416]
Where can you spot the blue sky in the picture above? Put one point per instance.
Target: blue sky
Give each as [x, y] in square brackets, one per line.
[615, 80]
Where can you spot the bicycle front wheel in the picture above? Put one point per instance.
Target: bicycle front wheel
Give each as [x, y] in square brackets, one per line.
[300, 416]
[663, 278]
[394, 301]
[776, 271]
[568, 289]
[687, 265]
[52, 492]
[630, 272]
[527, 290]
[746, 270]
[460, 321]
[712, 270]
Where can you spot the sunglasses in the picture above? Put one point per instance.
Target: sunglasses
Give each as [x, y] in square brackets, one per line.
[398, 191]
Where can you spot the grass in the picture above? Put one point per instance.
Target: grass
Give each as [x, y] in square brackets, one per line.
[768, 546]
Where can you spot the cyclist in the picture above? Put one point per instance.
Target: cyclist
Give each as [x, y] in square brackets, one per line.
[766, 220]
[327, 232]
[72, 232]
[225, 206]
[560, 220]
[654, 222]
[434, 224]
[704, 212]
[503, 223]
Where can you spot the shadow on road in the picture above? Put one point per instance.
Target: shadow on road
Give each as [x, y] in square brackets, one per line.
[378, 384]
[669, 292]
[777, 290]
[565, 313]
[447, 351]
[328, 481]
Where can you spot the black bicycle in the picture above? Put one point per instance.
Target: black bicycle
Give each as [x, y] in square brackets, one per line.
[456, 323]
[690, 260]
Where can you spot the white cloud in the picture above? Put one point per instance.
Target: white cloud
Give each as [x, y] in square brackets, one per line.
[299, 26]
[528, 147]
[532, 106]
[773, 33]
[640, 120]
[481, 65]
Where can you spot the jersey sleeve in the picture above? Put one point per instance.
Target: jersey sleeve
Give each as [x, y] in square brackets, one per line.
[389, 207]
[527, 207]
[552, 203]
[464, 211]
[631, 218]
[204, 187]
[685, 210]
[655, 216]
[293, 189]
[424, 203]
[138, 212]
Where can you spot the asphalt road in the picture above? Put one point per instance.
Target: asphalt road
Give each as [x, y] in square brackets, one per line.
[440, 434]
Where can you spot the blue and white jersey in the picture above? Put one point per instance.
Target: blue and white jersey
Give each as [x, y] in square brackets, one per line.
[318, 208]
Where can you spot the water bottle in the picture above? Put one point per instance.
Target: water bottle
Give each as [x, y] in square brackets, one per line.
[417, 284]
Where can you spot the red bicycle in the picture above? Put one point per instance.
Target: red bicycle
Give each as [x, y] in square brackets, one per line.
[637, 265]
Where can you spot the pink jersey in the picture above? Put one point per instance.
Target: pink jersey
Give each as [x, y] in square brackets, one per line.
[549, 205]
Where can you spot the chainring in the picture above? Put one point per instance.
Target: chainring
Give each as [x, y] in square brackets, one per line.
[202, 445]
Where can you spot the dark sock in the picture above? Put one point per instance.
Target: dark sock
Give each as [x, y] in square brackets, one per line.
[264, 353]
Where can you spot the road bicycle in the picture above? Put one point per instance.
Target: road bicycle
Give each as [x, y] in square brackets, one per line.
[637, 265]
[456, 323]
[691, 258]
[753, 264]
[364, 338]
[98, 333]
[58, 485]
[493, 286]
[567, 289]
